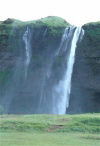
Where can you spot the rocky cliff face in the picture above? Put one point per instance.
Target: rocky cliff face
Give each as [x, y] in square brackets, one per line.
[85, 95]
[20, 94]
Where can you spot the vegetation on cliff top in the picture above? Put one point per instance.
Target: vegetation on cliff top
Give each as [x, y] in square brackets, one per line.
[90, 45]
[92, 23]
[53, 23]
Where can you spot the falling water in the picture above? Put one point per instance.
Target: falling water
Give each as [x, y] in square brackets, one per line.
[64, 86]
[26, 39]
[70, 63]
[48, 92]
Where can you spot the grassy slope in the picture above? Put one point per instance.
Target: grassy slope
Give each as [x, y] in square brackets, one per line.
[50, 130]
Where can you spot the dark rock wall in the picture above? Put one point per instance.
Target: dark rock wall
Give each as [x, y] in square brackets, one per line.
[85, 94]
[18, 95]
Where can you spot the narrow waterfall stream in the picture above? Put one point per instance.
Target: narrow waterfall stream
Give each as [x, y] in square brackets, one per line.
[64, 87]
[70, 63]
[26, 39]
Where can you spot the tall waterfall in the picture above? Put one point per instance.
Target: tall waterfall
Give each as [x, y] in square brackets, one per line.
[48, 73]
[64, 87]
[26, 39]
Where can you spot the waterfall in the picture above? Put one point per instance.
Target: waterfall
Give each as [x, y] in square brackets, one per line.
[48, 79]
[63, 89]
[26, 39]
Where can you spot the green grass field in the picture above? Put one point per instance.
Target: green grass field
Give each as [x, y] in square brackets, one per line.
[50, 130]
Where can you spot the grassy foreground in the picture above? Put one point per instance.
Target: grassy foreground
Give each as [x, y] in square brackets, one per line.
[50, 130]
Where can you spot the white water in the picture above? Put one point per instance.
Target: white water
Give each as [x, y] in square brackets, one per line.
[65, 38]
[70, 63]
[64, 87]
[26, 39]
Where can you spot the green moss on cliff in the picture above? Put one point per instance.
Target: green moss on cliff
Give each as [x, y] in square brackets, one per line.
[90, 45]
[55, 25]
[55, 22]
[92, 23]
[93, 31]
